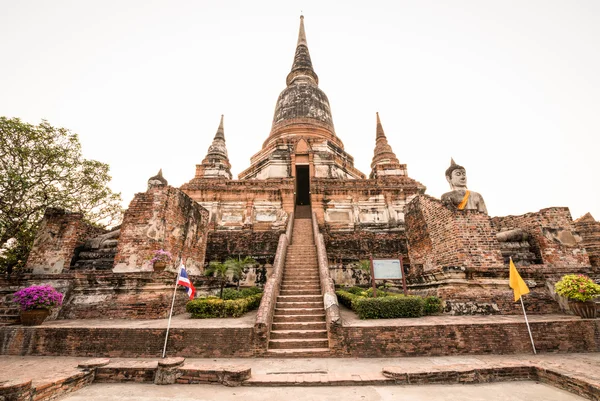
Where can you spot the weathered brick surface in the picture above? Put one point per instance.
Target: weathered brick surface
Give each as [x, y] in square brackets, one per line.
[439, 238]
[589, 229]
[264, 315]
[126, 343]
[486, 338]
[260, 245]
[553, 236]
[162, 218]
[60, 388]
[93, 295]
[59, 234]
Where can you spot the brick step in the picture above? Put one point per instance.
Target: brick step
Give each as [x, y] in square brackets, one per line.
[300, 280]
[298, 353]
[299, 318]
[299, 298]
[310, 262]
[299, 326]
[286, 287]
[302, 276]
[298, 311]
[294, 334]
[301, 258]
[301, 272]
[304, 247]
[300, 292]
[299, 343]
[294, 305]
[300, 269]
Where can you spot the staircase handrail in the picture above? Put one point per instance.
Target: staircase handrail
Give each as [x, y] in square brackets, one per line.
[266, 309]
[330, 301]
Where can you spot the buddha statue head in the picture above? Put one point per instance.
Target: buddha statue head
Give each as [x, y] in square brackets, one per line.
[456, 176]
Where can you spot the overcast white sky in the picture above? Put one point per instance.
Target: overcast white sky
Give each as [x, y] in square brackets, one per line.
[510, 89]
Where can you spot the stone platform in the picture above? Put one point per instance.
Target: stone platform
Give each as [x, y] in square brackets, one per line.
[50, 377]
[213, 338]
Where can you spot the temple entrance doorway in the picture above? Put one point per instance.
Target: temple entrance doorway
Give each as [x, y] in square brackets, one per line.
[302, 185]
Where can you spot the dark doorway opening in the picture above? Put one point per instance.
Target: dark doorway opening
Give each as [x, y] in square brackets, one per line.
[302, 185]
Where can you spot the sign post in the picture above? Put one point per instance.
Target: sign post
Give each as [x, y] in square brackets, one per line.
[387, 269]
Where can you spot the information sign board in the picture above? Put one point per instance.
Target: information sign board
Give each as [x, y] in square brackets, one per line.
[387, 269]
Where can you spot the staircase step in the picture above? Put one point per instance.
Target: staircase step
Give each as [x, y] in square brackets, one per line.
[297, 353]
[298, 318]
[278, 326]
[300, 292]
[297, 334]
[295, 305]
[298, 311]
[299, 343]
[299, 298]
[287, 287]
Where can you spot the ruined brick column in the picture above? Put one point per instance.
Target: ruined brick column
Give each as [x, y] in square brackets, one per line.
[59, 234]
[162, 218]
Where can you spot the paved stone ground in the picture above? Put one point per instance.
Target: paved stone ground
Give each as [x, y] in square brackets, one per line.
[316, 371]
[523, 391]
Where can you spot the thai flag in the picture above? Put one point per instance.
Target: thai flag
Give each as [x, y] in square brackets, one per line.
[184, 280]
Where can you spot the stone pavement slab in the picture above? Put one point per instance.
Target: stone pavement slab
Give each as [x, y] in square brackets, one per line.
[579, 373]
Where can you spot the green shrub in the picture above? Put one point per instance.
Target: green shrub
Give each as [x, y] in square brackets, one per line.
[354, 290]
[380, 293]
[432, 305]
[388, 307]
[246, 292]
[346, 298]
[203, 308]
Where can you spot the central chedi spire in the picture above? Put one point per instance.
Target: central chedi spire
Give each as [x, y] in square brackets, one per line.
[302, 100]
[302, 133]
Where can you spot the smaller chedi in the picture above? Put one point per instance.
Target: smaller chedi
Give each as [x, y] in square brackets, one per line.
[460, 197]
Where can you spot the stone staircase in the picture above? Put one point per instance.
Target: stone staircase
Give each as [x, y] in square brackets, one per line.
[298, 328]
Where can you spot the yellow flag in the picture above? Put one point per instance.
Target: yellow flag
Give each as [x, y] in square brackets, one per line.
[516, 282]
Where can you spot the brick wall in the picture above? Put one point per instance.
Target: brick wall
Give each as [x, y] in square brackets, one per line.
[59, 234]
[102, 295]
[576, 335]
[589, 230]
[553, 235]
[126, 343]
[162, 218]
[485, 338]
[439, 237]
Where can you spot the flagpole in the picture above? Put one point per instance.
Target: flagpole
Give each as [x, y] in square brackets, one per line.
[170, 314]
[528, 328]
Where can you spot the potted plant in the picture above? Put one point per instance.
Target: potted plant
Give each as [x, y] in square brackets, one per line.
[580, 290]
[160, 260]
[36, 302]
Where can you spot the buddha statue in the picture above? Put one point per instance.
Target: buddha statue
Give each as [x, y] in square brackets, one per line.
[460, 198]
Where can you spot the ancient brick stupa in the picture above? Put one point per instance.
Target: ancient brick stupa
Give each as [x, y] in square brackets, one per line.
[303, 162]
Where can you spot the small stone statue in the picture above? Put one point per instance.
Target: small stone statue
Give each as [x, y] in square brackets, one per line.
[157, 181]
[460, 198]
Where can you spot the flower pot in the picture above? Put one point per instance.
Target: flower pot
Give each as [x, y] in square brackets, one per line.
[586, 310]
[159, 266]
[34, 317]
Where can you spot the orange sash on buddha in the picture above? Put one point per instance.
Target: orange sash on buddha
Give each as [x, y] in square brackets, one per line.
[464, 201]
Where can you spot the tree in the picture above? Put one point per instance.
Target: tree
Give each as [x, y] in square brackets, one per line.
[238, 265]
[231, 266]
[40, 167]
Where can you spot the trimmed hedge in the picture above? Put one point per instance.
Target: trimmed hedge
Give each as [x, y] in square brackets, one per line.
[211, 307]
[432, 305]
[387, 305]
[230, 293]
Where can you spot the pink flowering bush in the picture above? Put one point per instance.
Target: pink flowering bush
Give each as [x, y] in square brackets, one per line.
[161, 256]
[38, 297]
[577, 287]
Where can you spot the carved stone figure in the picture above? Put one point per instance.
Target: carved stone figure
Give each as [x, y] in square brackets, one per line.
[460, 197]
